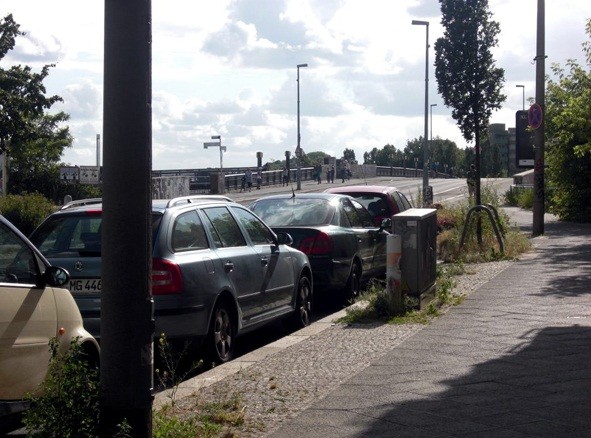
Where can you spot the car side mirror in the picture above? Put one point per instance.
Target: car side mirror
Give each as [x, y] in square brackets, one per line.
[386, 224]
[55, 276]
[284, 239]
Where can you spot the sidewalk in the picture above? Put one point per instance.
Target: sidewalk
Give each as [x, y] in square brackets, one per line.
[513, 360]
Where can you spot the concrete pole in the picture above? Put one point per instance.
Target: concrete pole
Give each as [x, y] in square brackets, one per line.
[127, 326]
[539, 191]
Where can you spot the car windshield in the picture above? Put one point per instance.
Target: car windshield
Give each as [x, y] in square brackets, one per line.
[294, 211]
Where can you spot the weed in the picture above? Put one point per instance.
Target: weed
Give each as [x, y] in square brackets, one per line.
[172, 360]
[67, 403]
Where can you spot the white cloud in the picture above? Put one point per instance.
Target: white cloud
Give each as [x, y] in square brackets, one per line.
[229, 68]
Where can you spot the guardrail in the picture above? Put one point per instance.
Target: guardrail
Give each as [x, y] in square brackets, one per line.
[233, 181]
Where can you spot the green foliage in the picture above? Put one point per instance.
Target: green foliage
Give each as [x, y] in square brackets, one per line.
[568, 138]
[68, 400]
[448, 240]
[173, 371]
[349, 155]
[32, 139]
[467, 78]
[166, 426]
[26, 211]
[204, 419]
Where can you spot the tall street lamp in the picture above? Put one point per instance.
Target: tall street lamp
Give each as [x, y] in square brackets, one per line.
[523, 96]
[431, 118]
[298, 148]
[427, 193]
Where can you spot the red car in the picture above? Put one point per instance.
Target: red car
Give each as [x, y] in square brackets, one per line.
[381, 201]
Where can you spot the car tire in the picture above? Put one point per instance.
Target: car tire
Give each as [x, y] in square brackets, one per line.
[353, 287]
[302, 315]
[222, 332]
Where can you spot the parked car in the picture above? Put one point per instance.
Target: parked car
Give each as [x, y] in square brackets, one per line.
[380, 201]
[217, 269]
[337, 233]
[34, 308]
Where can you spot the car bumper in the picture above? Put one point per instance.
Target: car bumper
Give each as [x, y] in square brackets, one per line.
[329, 273]
[186, 322]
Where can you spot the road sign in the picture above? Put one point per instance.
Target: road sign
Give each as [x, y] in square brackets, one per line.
[534, 116]
[524, 141]
[209, 144]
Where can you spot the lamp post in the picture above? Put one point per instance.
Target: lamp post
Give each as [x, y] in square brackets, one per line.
[298, 148]
[216, 144]
[431, 119]
[427, 194]
[404, 164]
[523, 96]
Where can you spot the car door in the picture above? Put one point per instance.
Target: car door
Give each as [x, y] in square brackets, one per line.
[277, 280]
[378, 236]
[363, 235]
[241, 263]
[28, 318]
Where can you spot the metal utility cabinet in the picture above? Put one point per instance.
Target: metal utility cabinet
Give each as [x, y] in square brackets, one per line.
[418, 230]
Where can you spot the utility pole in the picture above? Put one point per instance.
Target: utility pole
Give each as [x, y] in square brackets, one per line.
[127, 308]
[539, 195]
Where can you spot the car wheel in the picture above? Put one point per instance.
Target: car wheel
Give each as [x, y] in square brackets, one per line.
[353, 287]
[221, 334]
[303, 309]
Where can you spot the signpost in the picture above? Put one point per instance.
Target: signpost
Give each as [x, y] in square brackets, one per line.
[216, 144]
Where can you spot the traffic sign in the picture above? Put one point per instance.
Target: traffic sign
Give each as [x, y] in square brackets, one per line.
[534, 116]
[209, 144]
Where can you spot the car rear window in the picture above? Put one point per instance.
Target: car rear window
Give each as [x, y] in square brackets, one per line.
[79, 235]
[294, 211]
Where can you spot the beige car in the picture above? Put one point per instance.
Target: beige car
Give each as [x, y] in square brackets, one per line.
[34, 307]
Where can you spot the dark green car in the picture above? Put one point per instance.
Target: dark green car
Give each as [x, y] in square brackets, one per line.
[343, 244]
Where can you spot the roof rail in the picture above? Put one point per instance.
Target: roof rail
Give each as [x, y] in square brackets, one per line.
[81, 202]
[192, 198]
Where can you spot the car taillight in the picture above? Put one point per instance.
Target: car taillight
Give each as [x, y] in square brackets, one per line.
[319, 244]
[166, 277]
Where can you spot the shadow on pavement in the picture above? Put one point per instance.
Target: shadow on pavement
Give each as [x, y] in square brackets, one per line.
[543, 389]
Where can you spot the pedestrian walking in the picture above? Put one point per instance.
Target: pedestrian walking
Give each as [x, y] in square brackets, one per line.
[259, 178]
[248, 178]
[332, 172]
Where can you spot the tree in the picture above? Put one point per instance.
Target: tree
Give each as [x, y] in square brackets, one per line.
[349, 155]
[467, 78]
[568, 138]
[27, 132]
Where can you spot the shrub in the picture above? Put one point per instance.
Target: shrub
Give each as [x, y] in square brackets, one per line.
[67, 403]
[26, 211]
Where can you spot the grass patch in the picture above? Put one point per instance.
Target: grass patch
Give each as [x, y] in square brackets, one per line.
[372, 304]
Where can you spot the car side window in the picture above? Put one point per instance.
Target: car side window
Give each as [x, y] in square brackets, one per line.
[223, 227]
[188, 233]
[366, 219]
[351, 214]
[257, 231]
[17, 260]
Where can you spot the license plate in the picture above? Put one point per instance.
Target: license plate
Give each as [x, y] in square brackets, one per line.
[87, 286]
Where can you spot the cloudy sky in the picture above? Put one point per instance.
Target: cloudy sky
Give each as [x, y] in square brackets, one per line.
[228, 67]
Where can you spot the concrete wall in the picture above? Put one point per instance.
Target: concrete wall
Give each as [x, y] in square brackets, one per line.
[168, 187]
[524, 178]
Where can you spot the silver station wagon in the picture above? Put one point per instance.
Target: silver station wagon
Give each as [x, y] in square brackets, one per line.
[217, 269]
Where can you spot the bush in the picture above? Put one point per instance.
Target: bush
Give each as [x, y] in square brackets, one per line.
[67, 403]
[26, 211]
[454, 216]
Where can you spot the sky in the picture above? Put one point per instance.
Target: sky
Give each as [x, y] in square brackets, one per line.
[228, 68]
